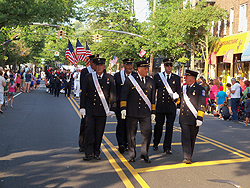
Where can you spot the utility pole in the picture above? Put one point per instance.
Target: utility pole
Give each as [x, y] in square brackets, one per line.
[151, 56]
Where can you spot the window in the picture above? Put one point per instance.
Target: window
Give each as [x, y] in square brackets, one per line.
[243, 17]
[219, 25]
[212, 28]
[231, 21]
[225, 27]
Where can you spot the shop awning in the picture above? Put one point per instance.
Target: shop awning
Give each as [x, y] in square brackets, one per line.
[246, 54]
[228, 57]
[212, 58]
[237, 43]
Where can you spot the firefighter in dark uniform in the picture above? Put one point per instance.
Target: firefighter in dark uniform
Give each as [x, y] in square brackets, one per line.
[120, 77]
[166, 104]
[96, 108]
[138, 105]
[84, 72]
[52, 82]
[192, 110]
[68, 83]
[58, 80]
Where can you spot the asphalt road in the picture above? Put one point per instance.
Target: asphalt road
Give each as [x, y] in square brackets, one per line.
[39, 148]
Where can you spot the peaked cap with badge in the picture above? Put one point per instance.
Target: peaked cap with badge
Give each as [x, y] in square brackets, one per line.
[144, 63]
[99, 61]
[128, 61]
[191, 73]
[93, 56]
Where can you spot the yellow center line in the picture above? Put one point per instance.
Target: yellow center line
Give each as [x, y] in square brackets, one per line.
[117, 168]
[221, 145]
[75, 102]
[126, 163]
[196, 164]
[111, 160]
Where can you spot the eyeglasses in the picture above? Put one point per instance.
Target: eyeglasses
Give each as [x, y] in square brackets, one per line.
[168, 65]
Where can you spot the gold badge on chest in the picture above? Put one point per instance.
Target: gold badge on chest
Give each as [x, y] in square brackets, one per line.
[107, 80]
[174, 82]
[194, 92]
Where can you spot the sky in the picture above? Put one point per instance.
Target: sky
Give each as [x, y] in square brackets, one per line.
[141, 10]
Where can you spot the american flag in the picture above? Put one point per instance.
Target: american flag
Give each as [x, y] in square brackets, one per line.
[80, 51]
[88, 53]
[142, 53]
[114, 61]
[70, 54]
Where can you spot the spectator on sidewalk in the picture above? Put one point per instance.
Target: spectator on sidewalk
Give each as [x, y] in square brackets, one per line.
[221, 97]
[228, 92]
[27, 82]
[247, 108]
[18, 82]
[207, 89]
[11, 92]
[2, 85]
[38, 81]
[247, 90]
[235, 98]
[223, 111]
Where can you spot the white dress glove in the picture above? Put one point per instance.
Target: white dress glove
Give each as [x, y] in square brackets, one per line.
[152, 117]
[178, 112]
[83, 112]
[175, 95]
[111, 113]
[123, 114]
[198, 123]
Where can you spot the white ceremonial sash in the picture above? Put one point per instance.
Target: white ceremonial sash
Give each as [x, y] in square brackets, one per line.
[140, 91]
[165, 82]
[90, 69]
[101, 95]
[122, 76]
[189, 104]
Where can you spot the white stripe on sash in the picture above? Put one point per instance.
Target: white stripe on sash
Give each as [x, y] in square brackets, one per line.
[90, 69]
[140, 91]
[101, 95]
[188, 102]
[122, 73]
[165, 82]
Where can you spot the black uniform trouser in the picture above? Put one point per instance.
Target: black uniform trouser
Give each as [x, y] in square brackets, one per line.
[95, 126]
[82, 133]
[57, 89]
[121, 134]
[146, 132]
[160, 118]
[51, 88]
[68, 86]
[188, 137]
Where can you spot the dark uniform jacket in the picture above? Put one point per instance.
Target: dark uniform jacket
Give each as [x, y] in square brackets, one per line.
[119, 85]
[133, 102]
[57, 78]
[197, 97]
[90, 99]
[84, 72]
[165, 104]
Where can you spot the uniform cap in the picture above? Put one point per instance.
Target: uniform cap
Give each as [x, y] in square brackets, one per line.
[191, 73]
[93, 56]
[144, 63]
[168, 61]
[99, 61]
[128, 61]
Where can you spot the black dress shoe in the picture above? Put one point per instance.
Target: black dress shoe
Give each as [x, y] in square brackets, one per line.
[121, 148]
[187, 161]
[155, 148]
[168, 151]
[87, 157]
[97, 157]
[81, 149]
[146, 159]
[131, 159]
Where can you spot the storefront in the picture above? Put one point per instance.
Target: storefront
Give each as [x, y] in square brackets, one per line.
[227, 59]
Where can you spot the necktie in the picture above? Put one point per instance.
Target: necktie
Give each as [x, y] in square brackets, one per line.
[143, 80]
[167, 77]
[99, 77]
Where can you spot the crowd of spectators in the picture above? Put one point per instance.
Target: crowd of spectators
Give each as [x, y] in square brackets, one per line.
[227, 101]
[12, 82]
